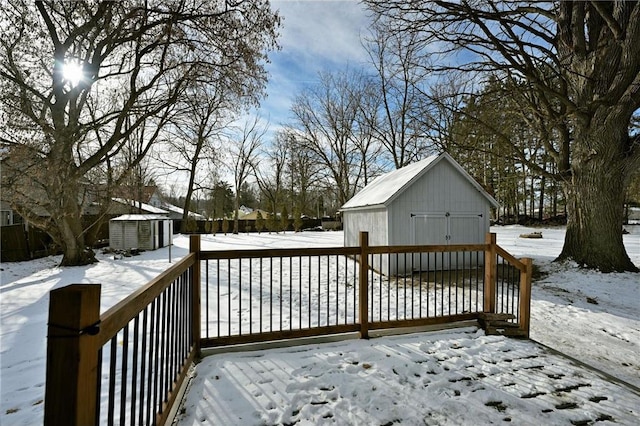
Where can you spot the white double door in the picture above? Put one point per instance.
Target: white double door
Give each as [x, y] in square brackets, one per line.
[445, 228]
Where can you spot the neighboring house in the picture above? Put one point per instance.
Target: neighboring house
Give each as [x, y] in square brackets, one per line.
[432, 201]
[150, 197]
[176, 212]
[253, 215]
[124, 206]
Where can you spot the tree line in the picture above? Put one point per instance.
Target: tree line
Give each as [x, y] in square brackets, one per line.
[538, 101]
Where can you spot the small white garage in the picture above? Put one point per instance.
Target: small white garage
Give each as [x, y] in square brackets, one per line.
[432, 201]
[139, 231]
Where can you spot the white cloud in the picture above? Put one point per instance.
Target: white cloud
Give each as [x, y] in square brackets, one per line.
[323, 31]
[316, 36]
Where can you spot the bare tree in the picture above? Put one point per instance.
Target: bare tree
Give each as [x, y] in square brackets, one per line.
[270, 175]
[396, 119]
[580, 64]
[301, 171]
[194, 135]
[326, 118]
[135, 59]
[243, 150]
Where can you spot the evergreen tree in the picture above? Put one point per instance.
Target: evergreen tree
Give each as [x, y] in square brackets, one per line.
[297, 220]
[259, 222]
[284, 219]
[271, 223]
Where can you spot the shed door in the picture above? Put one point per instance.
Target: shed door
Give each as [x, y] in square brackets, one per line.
[145, 235]
[130, 235]
[466, 228]
[445, 229]
[161, 234]
[430, 228]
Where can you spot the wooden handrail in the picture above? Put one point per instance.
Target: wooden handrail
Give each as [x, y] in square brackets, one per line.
[285, 252]
[510, 258]
[118, 316]
[427, 249]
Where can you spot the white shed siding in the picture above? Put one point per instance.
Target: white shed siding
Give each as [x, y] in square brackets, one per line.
[373, 221]
[435, 202]
[443, 189]
[140, 232]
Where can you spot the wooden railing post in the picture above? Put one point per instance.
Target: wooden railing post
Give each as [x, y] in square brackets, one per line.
[364, 285]
[525, 295]
[490, 273]
[72, 356]
[194, 247]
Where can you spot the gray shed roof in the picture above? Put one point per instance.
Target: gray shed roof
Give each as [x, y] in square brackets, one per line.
[139, 217]
[384, 189]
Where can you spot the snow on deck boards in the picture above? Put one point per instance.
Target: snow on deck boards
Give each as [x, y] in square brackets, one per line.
[451, 377]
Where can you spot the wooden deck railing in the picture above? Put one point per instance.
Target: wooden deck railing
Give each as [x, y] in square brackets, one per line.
[127, 365]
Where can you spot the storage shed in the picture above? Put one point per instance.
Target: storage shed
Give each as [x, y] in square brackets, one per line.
[432, 201]
[140, 231]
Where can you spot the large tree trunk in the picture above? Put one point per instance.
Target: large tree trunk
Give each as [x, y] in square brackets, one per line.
[71, 237]
[595, 195]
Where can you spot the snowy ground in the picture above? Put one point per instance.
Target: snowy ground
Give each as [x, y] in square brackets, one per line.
[453, 377]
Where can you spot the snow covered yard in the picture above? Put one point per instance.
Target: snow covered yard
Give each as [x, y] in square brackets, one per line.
[590, 316]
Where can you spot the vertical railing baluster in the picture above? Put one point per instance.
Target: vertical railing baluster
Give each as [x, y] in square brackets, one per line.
[151, 358]
[229, 316]
[457, 281]
[99, 386]
[420, 284]
[251, 296]
[319, 293]
[300, 292]
[206, 298]
[271, 294]
[281, 298]
[328, 290]
[338, 290]
[449, 281]
[240, 296]
[134, 370]
[355, 272]
[112, 379]
[442, 283]
[163, 348]
[309, 292]
[388, 284]
[428, 281]
[123, 374]
[290, 293]
[261, 291]
[143, 366]
[156, 370]
[171, 335]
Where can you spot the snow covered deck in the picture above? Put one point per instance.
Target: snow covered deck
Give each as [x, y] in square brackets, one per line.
[453, 377]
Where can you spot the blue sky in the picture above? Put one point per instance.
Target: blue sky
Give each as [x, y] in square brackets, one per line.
[315, 36]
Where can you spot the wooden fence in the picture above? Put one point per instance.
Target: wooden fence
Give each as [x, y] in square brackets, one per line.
[128, 365]
[19, 243]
